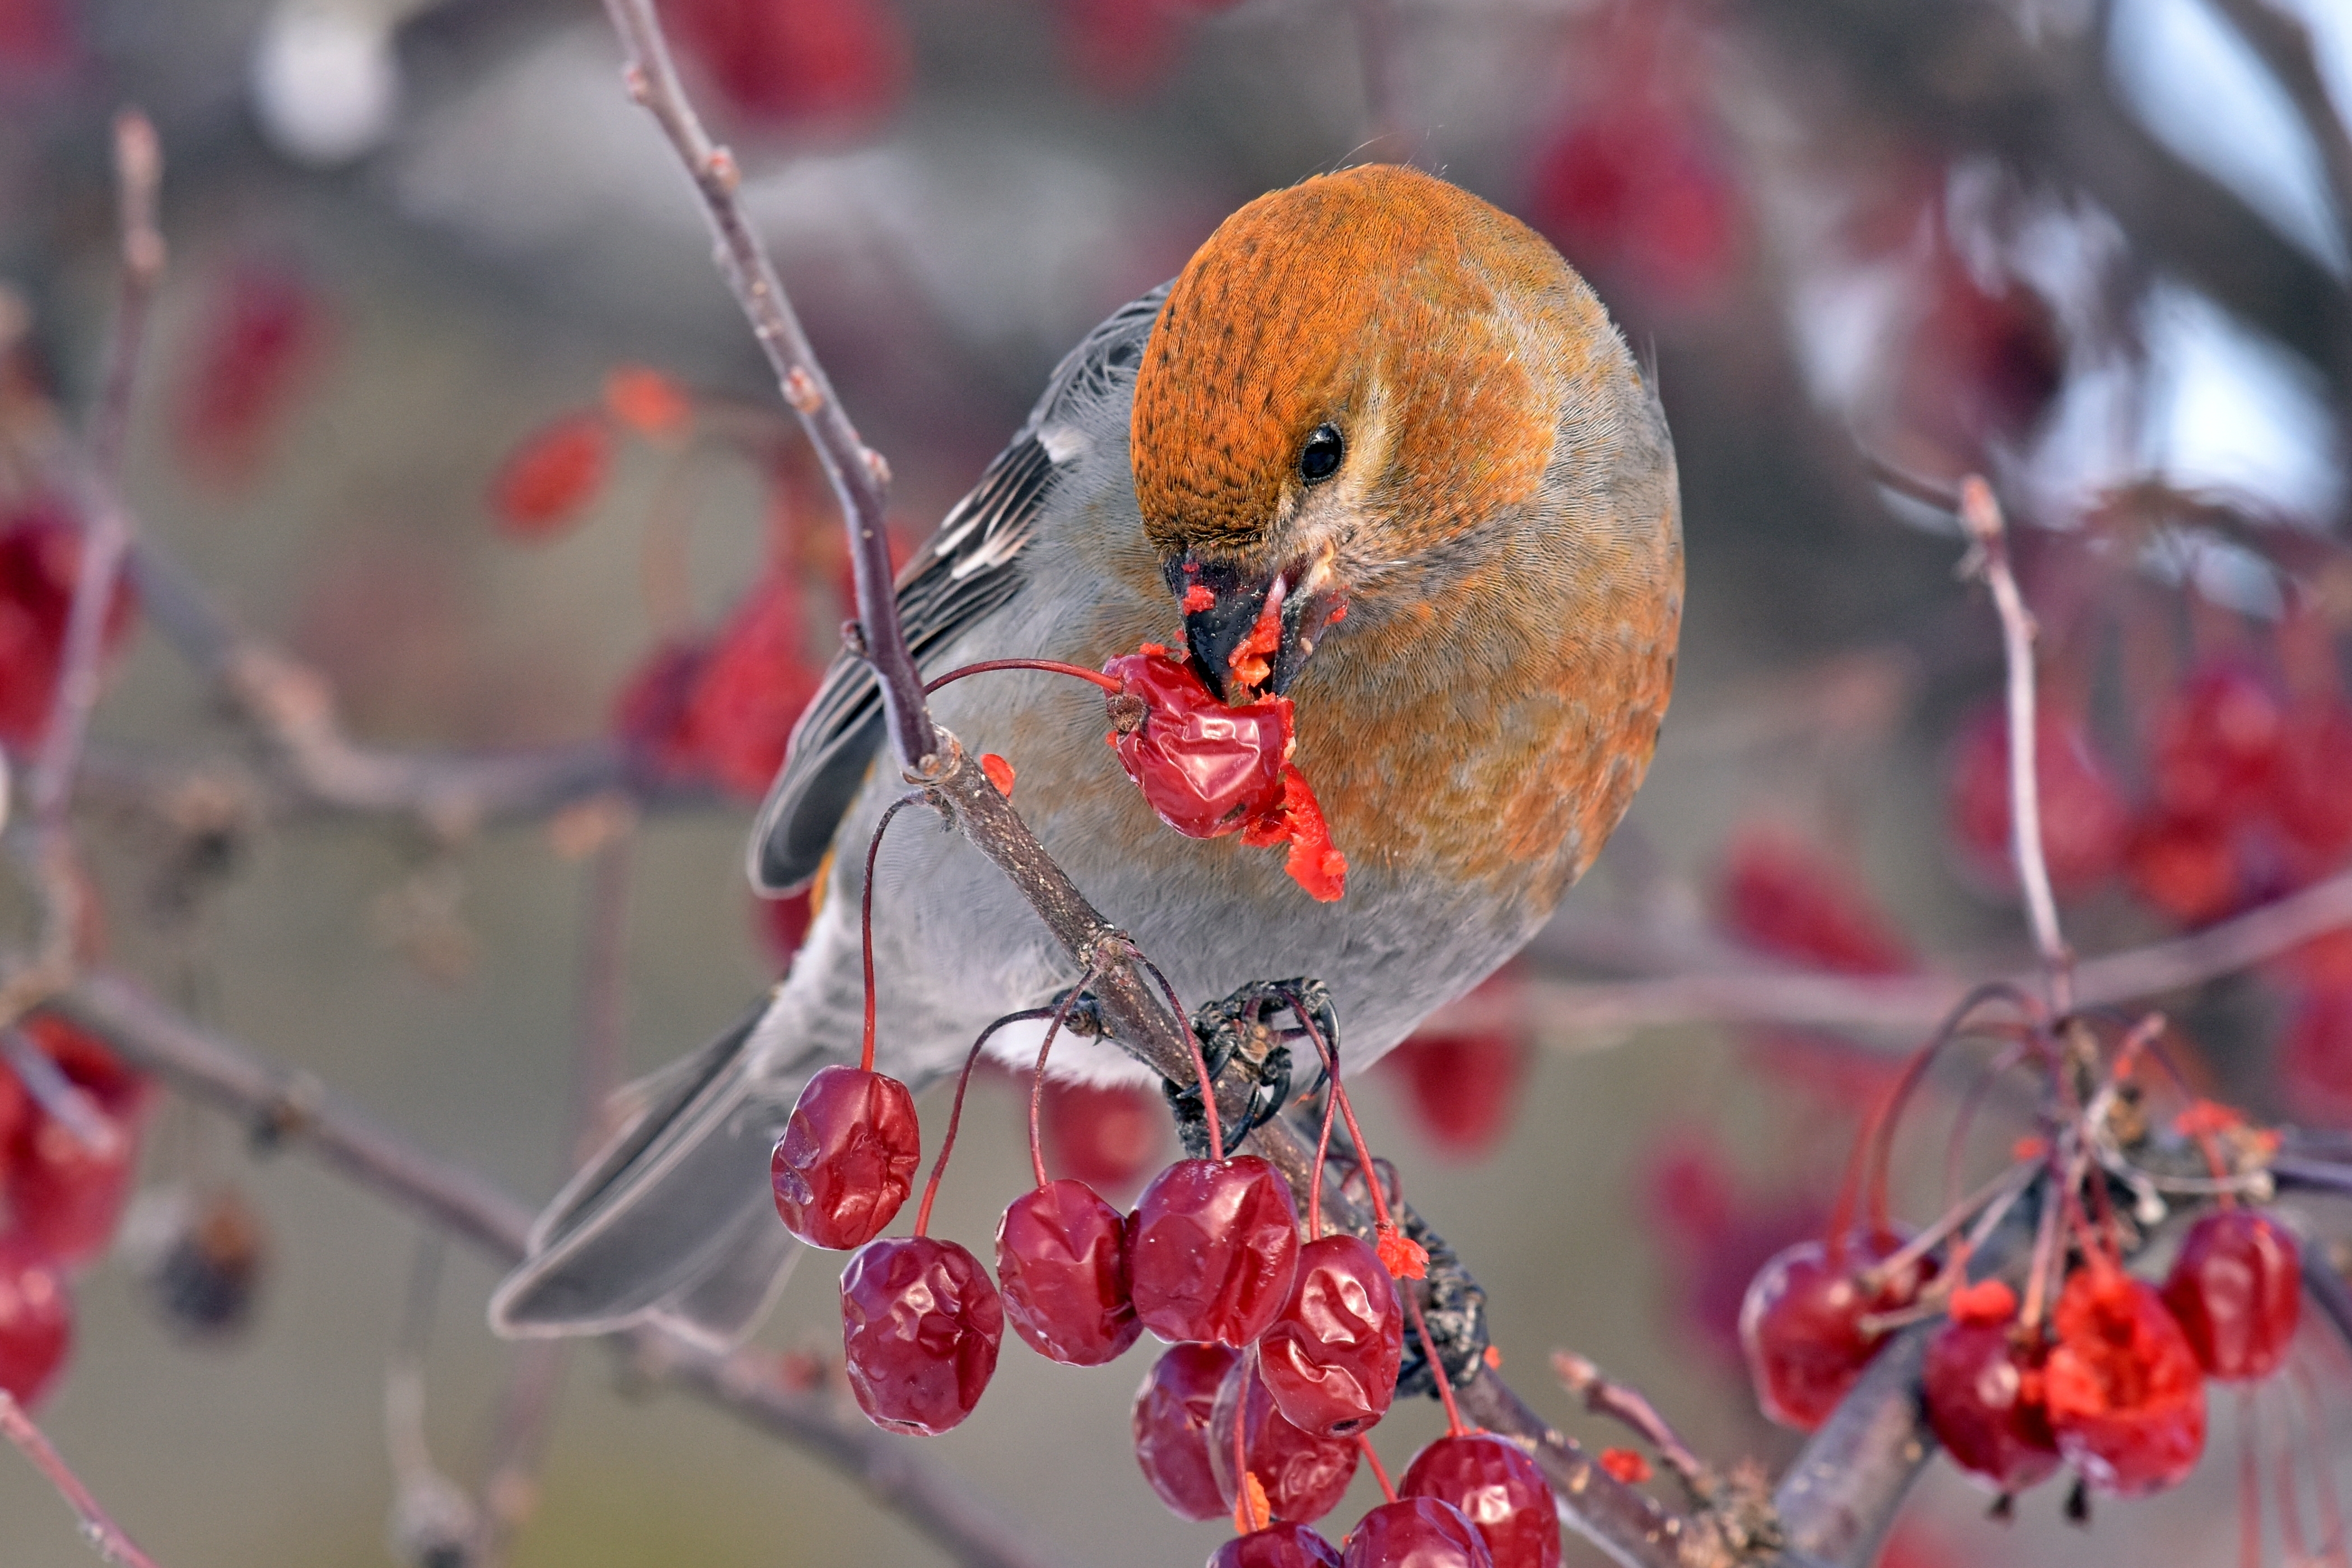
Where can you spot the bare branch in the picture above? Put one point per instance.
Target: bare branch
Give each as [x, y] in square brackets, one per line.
[1632, 1408]
[292, 1107]
[1838, 1500]
[1625, 1523]
[105, 1536]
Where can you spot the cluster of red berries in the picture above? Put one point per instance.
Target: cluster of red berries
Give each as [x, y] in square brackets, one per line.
[2109, 1380]
[70, 1120]
[1286, 1347]
[40, 562]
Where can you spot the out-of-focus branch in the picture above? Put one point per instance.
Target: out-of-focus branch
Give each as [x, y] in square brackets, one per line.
[1838, 1500]
[105, 1536]
[1623, 1522]
[290, 1106]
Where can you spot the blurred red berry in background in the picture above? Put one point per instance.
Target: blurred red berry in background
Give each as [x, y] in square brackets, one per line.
[1782, 895]
[66, 1184]
[2217, 741]
[1109, 1136]
[1120, 49]
[1635, 192]
[1715, 1236]
[2315, 1056]
[1977, 371]
[840, 64]
[782, 924]
[553, 476]
[751, 688]
[40, 562]
[649, 715]
[2187, 866]
[36, 1320]
[650, 403]
[1462, 1091]
[263, 337]
[2084, 818]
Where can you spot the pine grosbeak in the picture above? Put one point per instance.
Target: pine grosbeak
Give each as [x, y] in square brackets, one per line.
[1372, 390]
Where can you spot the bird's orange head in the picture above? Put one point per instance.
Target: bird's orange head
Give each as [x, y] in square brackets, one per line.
[1352, 373]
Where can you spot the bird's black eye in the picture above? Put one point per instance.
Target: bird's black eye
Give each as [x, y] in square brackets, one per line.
[1320, 459]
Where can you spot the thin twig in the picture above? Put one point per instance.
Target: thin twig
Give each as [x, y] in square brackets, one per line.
[1988, 558]
[1626, 1524]
[857, 472]
[290, 1106]
[106, 541]
[106, 1536]
[1632, 1408]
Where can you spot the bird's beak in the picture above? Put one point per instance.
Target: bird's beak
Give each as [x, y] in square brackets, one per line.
[1251, 633]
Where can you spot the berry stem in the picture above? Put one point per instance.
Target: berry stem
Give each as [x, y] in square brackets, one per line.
[1347, 1108]
[865, 927]
[955, 1115]
[1880, 1137]
[1322, 1152]
[1379, 1471]
[1038, 1078]
[1051, 666]
[1453, 1428]
[1193, 1042]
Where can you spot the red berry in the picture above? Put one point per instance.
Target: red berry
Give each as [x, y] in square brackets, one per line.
[2217, 741]
[1463, 1089]
[1783, 896]
[1213, 1246]
[1983, 1390]
[2127, 1398]
[263, 331]
[553, 476]
[1278, 1545]
[1171, 1425]
[793, 62]
[36, 1320]
[847, 1158]
[648, 401]
[2315, 1060]
[1106, 1135]
[1498, 1488]
[750, 688]
[2308, 796]
[649, 715]
[1801, 1326]
[65, 1193]
[1205, 768]
[2236, 1289]
[2085, 821]
[2186, 866]
[1415, 1532]
[1637, 192]
[1330, 1359]
[1061, 1258]
[920, 1326]
[1304, 1475]
[40, 563]
[1979, 369]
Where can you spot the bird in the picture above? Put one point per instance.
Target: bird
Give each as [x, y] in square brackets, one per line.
[1376, 407]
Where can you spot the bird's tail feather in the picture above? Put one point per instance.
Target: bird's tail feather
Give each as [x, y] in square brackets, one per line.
[673, 1218]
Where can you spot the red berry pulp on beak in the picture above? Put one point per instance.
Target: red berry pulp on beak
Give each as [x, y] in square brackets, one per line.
[1304, 1475]
[1415, 1532]
[847, 1158]
[1171, 1427]
[1061, 1261]
[1498, 1489]
[1330, 1360]
[1212, 1248]
[2237, 1291]
[2126, 1397]
[920, 1326]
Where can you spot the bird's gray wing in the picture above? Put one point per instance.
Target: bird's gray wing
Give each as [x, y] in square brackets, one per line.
[972, 565]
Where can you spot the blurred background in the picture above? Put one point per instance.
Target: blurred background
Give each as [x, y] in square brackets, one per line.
[445, 399]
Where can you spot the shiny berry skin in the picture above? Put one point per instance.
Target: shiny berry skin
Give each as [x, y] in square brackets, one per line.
[1061, 1261]
[1304, 1475]
[2236, 1289]
[847, 1157]
[63, 1195]
[2127, 1397]
[1212, 1249]
[1330, 1359]
[1415, 1532]
[920, 1326]
[1983, 1391]
[1172, 1424]
[1801, 1326]
[1278, 1545]
[1206, 769]
[1498, 1489]
[36, 1320]
[2084, 819]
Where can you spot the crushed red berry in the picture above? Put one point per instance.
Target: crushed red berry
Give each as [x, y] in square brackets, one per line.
[2126, 1397]
[1330, 1360]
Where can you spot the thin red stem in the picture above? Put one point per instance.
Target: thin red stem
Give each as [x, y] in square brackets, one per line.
[1347, 1108]
[1453, 1428]
[1322, 1151]
[1880, 1136]
[1379, 1471]
[865, 926]
[1038, 1078]
[955, 1116]
[1050, 666]
[100, 1527]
